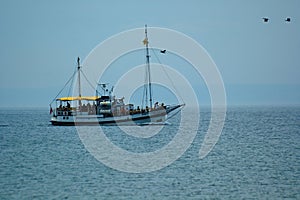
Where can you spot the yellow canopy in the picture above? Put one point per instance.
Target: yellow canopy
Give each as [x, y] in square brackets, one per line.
[91, 98]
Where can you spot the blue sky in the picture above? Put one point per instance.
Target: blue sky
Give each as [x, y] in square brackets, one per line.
[259, 62]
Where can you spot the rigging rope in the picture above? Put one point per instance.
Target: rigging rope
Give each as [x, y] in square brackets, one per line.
[71, 78]
[91, 85]
[162, 66]
[69, 92]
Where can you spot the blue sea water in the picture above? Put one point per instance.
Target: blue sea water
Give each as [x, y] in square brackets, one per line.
[256, 157]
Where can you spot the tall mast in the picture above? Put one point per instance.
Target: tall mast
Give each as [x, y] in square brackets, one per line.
[79, 85]
[148, 66]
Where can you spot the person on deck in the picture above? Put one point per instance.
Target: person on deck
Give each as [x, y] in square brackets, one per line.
[68, 105]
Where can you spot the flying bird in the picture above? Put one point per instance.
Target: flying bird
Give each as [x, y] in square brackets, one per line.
[265, 19]
[288, 19]
[163, 51]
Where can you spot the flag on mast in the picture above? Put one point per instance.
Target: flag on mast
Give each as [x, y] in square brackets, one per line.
[145, 41]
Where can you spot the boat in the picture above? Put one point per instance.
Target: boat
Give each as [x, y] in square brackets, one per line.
[106, 109]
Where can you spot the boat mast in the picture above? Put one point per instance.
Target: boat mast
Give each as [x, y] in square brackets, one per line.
[148, 66]
[79, 85]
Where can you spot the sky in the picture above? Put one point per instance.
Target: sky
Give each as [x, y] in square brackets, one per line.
[259, 62]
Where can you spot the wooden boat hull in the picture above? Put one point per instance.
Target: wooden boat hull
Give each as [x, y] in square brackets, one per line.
[156, 116]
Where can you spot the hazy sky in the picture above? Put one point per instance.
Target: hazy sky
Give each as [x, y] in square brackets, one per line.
[259, 62]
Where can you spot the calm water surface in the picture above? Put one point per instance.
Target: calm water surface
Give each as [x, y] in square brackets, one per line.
[257, 157]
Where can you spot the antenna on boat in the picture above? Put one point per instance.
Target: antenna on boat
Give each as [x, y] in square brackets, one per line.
[79, 85]
[103, 87]
[148, 65]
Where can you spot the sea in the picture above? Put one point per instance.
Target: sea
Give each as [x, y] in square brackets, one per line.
[257, 156]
